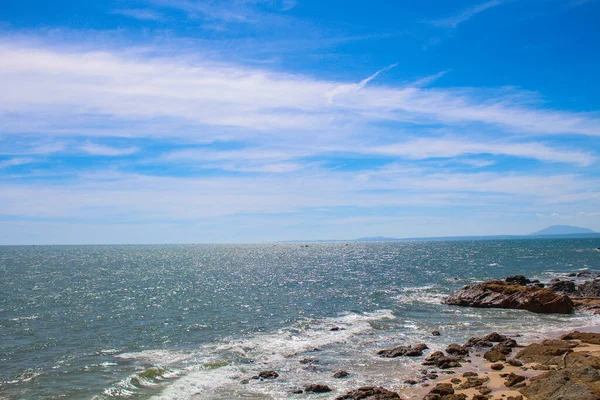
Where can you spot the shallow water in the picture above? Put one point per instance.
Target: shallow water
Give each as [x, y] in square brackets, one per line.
[192, 321]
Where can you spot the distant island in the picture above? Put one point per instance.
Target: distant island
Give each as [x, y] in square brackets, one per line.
[563, 230]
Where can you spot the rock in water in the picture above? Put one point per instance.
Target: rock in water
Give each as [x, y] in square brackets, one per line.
[317, 388]
[501, 294]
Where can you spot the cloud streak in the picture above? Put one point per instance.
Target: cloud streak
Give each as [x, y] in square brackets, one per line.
[465, 15]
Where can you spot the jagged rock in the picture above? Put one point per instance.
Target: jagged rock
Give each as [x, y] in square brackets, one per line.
[512, 379]
[576, 383]
[484, 390]
[340, 374]
[317, 388]
[500, 294]
[370, 393]
[408, 351]
[497, 353]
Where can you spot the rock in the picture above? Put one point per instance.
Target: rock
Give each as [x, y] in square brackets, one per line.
[518, 279]
[335, 329]
[500, 294]
[494, 355]
[563, 287]
[514, 398]
[589, 289]
[479, 397]
[496, 337]
[340, 374]
[478, 342]
[317, 388]
[583, 274]
[514, 362]
[473, 382]
[309, 360]
[370, 393]
[585, 337]
[443, 389]
[484, 390]
[456, 381]
[497, 366]
[407, 351]
[441, 361]
[245, 381]
[436, 333]
[512, 379]
[456, 349]
[267, 375]
[297, 391]
[470, 374]
[548, 352]
[577, 383]
[410, 382]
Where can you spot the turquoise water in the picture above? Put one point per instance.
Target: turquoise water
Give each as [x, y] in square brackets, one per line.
[191, 321]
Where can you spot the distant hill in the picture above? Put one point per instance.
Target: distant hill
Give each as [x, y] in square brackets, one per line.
[562, 230]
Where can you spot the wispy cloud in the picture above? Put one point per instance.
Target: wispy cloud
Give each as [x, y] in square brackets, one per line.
[13, 162]
[467, 14]
[140, 13]
[100, 150]
[354, 87]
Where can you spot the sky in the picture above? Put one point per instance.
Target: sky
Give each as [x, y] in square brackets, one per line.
[202, 121]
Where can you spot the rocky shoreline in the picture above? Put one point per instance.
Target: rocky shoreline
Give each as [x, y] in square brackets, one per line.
[495, 366]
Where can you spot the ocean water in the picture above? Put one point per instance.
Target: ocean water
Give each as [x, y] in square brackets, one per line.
[193, 321]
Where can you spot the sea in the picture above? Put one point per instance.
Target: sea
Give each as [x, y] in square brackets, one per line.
[199, 321]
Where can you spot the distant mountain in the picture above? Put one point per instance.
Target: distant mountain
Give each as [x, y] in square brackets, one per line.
[562, 230]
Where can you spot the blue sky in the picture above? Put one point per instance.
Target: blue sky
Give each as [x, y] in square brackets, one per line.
[183, 121]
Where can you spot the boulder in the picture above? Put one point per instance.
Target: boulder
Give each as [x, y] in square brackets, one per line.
[548, 352]
[500, 294]
[370, 393]
[512, 379]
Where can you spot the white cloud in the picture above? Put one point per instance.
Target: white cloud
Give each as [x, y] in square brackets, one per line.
[68, 87]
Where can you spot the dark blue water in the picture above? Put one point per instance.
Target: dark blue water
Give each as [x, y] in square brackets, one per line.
[191, 321]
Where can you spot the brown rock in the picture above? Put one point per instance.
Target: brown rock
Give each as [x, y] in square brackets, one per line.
[340, 374]
[456, 349]
[574, 383]
[501, 294]
[317, 388]
[512, 379]
[408, 351]
[472, 382]
[585, 337]
[497, 366]
[370, 393]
